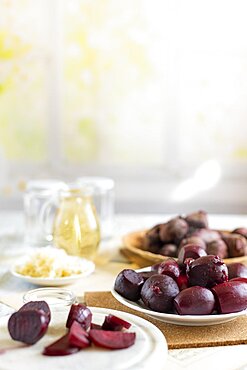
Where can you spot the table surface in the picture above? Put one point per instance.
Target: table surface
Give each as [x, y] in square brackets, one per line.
[108, 264]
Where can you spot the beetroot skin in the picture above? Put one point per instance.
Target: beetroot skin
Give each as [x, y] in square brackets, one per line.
[195, 300]
[230, 296]
[128, 284]
[158, 293]
[37, 305]
[27, 326]
[80, 313]
[114, 323]
[207, 271]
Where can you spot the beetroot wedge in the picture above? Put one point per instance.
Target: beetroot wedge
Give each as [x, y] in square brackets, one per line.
[112, 339]
[27, 326]
[80, 313]
[114, 323]
[37, 305]
[77, 336]
[61, 347]
[230, 296]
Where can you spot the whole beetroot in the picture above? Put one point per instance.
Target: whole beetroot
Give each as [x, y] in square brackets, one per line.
[158, 293]
[174, 230]
[198, 219]
[237, 244]
[169, 250]
[207, 271]
[241, 231]
[237, 269]
[192, 240]
[151, 240]
[190, 251]
[207, 235]
[218, 248]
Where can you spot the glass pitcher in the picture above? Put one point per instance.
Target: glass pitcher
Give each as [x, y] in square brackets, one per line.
[76, 226]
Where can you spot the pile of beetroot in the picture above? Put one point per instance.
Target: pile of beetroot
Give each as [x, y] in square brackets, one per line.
[30, 323]
[195, 284]
[168, 238]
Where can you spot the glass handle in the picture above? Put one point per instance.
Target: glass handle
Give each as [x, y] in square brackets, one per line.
[45, 214]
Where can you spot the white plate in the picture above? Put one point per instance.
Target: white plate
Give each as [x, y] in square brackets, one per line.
[150, 348]
[87, 266]
[187, 320]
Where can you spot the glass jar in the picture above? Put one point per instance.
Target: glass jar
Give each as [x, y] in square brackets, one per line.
[76, 226]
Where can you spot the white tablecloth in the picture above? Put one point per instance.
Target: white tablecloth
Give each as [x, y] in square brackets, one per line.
[109, 263]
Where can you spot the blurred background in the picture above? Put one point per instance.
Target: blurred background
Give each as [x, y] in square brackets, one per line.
[151, 93]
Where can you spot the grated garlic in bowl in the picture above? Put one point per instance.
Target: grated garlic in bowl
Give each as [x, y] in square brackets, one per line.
[51, 262]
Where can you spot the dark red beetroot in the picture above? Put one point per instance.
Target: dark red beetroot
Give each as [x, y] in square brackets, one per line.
[182, 281]
[195, 300]
[230, 296]
[196, 240]
[169, 250]
[197, 219]
[218, 248]
[112, 339]
[207, 235]
[60, 348]
[147, 274]
[158, 293]
[237, 244]
[243, 279]
[190, 251]
[114, 323]
[80, 313]
[237, 269]
[27, 326]
[169, 267]
[78, 337]
[128, 284]
[241, 231]
[207, 271]
[37, 305]
[174, 230]
[151, 240]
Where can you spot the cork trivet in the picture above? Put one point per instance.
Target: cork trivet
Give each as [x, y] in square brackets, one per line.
[177, 336]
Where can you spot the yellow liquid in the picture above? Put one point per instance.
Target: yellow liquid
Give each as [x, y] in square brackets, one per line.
[76, 227]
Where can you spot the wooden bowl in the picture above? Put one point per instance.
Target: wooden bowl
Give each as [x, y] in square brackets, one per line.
[133, 250]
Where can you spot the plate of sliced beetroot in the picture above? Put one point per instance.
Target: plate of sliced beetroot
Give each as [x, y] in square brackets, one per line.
[196, 289]
[86, 337]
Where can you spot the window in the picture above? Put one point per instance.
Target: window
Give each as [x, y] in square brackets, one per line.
[122, 88]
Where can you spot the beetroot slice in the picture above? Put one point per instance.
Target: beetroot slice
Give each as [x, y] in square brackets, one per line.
[112, 339]
[78, 337]
[80, 313]
[61, 347]
[37, 305]
[27, 326]
[114, 323]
